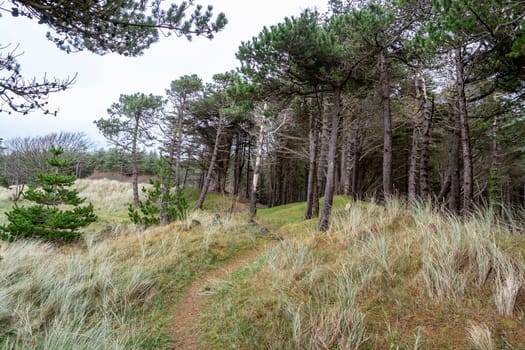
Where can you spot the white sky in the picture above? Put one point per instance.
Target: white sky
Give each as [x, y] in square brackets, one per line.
[101, 79]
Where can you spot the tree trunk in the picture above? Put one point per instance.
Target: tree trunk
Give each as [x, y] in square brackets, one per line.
[276, 181]
[171, 157]
[164, 214]
[465, 136]
[426, 136]
[185, 177]
[445, 189]
[178, 147]
[78, 170]
[315, 196]
[209, 174]
[324, 219]
[453, 158]
[494, 188]
[134, 164]
[356, 166]
[346, 150]
[412, 163]
[248, 167]
[223, 162]
[237, 164]
[323, 149]
[387, 125]
[348, 174]
[257, 168]
[412, 167]
[202, 175]
[312, 153]
[282, 188]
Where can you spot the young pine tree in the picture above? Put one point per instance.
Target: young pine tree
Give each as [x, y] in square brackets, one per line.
[162, 205]
[50, 218]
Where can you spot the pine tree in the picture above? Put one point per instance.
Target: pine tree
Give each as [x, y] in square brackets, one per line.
[130, 125]
[48, 219]
[162, 205]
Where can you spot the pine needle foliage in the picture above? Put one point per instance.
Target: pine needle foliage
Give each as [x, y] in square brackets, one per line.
[162, 204]
[48, 219]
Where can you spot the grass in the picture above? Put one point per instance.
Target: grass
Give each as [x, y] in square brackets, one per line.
[277, 217]
[115, 288]
[215, 202]
[120, 285]
[480, 336]
[5, 203]
[383, 277]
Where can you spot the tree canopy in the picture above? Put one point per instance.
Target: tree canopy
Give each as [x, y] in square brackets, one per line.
[125, 27]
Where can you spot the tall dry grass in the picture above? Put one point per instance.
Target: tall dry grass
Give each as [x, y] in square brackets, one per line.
[5, 194]
[464, 254]
[104, 194]
[351, 287]
[112, 290]
[480, 336]
[94, 298]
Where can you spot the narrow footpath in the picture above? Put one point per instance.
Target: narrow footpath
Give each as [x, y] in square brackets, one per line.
[185, 328]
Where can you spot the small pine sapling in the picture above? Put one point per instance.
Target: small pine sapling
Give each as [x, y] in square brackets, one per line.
[162, 205]
[57, 214]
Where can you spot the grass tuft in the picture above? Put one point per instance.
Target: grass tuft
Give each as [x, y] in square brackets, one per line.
[480, 336]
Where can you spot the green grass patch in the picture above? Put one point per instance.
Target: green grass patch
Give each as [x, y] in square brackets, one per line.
[279, 216]
[215, 202]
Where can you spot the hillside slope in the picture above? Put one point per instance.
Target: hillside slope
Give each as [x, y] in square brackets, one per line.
[381, 278]
[117, 287]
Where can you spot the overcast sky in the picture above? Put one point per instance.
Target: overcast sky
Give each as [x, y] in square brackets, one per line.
[101, 79]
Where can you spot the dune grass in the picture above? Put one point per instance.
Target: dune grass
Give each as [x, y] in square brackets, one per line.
[111, 293]
[111, 198]
[114, 289]
[381, 278]
[5, 203]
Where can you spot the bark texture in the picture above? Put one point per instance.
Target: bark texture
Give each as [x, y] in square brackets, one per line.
[207, 179]
[134, 162]
[324, 219]
[387, 125]
[257, 169]
[465, 135]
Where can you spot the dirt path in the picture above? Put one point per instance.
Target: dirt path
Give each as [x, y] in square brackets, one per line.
[185, 329]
